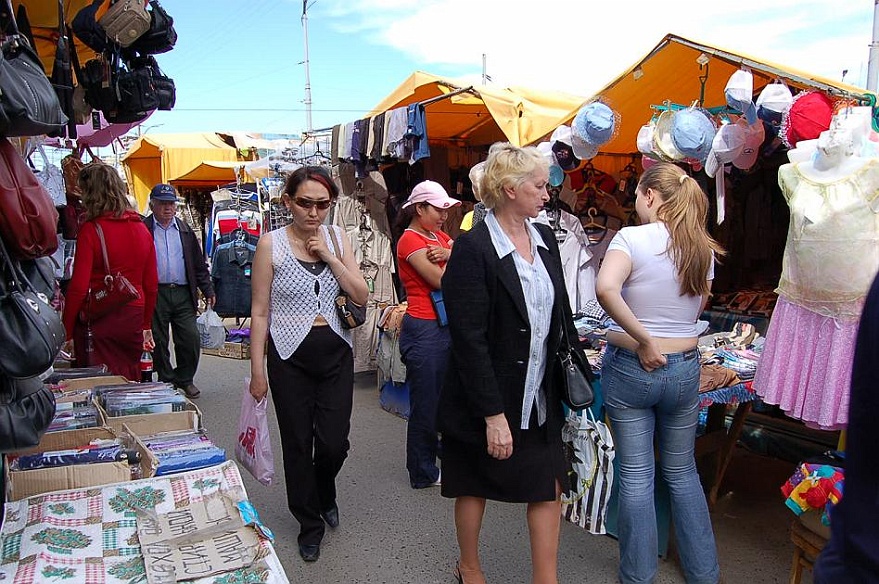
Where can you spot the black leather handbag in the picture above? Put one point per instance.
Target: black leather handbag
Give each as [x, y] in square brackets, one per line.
[29, 105]
[31, 331]
[573, 374]
[27, 407]
[350, 313]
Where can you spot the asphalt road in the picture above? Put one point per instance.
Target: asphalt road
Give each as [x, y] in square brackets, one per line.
[391, 533]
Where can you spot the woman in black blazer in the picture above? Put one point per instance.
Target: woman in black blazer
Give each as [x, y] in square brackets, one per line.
[500, 413]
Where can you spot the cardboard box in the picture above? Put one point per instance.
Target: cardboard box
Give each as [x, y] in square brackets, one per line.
[26, 483]
[230, 350]
[188, 419]
[90, 382]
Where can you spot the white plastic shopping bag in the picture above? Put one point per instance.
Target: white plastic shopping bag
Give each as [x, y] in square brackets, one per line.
[210, 329]
[254, 446]
[589, 445]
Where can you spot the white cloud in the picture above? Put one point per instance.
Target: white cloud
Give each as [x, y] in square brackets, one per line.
[579, 46]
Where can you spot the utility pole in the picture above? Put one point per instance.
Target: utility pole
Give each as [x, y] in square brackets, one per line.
[873, 61]
[308, 125]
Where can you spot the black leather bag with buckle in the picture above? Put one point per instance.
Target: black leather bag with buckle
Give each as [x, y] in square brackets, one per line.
[350, 313]
[31, 332]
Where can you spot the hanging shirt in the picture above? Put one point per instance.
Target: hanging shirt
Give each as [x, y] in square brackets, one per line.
[169, 254]
[416, 132]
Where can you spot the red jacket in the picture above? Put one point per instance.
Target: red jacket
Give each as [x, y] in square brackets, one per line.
[130, 250]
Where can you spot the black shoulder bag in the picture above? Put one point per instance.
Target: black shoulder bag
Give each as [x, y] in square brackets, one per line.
[27, 407]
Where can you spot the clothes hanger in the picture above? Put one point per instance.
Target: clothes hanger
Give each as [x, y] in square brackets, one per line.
[591, 214]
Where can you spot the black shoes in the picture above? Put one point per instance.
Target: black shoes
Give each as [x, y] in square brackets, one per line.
[309, 553]
[331, 516]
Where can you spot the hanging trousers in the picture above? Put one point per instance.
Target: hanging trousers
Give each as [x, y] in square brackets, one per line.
[174, 309]
[313, 393]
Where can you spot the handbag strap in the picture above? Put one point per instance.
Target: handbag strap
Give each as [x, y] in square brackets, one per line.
[332, 233]
[103, 248]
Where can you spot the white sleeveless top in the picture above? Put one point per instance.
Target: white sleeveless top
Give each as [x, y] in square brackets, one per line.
[298, 296]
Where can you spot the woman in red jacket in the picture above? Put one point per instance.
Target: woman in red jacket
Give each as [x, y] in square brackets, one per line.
[117, 339]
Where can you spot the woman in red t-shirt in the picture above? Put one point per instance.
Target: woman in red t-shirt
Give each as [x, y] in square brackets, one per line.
[422, 253]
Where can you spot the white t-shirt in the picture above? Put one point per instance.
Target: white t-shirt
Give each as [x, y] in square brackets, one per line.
[652, 290]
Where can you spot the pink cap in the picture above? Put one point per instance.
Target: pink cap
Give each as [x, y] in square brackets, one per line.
[428, 191]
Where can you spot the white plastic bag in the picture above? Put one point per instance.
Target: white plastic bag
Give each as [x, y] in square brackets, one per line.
[254, 447]
[211, 329]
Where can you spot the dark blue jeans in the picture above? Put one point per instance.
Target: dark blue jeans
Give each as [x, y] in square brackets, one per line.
[424, 349]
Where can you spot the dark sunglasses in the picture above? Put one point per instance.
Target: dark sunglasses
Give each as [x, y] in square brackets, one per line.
[308, 203]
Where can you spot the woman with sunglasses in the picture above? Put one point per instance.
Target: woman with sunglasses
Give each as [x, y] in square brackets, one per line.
[299, 347]
[422, 253]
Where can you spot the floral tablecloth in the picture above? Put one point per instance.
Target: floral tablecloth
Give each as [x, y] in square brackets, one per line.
[90, 536]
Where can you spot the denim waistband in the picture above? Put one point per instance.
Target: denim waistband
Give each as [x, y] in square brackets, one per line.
[671, 357]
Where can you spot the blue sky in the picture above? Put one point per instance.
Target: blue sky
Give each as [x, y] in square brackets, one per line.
[238, 63]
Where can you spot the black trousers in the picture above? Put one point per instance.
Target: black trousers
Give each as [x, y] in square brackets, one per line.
[313, 393]
[174, 311]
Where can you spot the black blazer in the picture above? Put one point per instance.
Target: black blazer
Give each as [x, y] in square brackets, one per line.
[197, 275]
[488, 322]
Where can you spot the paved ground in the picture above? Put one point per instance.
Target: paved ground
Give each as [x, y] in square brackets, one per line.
[393, 534]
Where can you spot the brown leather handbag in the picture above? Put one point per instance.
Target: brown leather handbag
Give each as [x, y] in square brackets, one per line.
[28, 217]
[116, 293]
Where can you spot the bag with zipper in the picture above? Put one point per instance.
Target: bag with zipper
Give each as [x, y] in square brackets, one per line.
[125, 21]
[161, 36]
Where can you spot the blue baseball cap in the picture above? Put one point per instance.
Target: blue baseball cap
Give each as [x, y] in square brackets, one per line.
[163, 192]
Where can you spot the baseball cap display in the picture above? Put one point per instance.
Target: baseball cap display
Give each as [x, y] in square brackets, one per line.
[808, 116]
[739, 94]
[692, 131]
[726, 147]
[562, 147]
[754, 136]
[556, 175]
[773, 101]
[163, 192]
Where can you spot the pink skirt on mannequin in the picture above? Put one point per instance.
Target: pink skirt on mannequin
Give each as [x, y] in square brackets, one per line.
[806, 365]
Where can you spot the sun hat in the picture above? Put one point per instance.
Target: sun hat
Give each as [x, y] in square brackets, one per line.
[727, 145]
[163, 192]
[545, 149]
[739, 94]
[772, 102]
[594, 124]
[562, 147]
[583, 149]
[692, 131]
[754, 136]
[645, 139]
[663, 143]
[428, 191]
[808, 116]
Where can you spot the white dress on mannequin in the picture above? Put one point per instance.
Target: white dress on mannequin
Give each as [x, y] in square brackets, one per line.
[831, 257]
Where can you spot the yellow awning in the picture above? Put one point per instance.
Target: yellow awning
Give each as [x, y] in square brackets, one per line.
[157, 158]
[43, 18]
[671, 73]
[209, 173]
[483, 114]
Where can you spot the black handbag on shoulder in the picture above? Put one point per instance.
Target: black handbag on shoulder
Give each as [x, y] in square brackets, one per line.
[27, 407]
[350, 313]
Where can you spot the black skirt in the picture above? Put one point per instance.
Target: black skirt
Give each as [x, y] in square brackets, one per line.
[528, 476]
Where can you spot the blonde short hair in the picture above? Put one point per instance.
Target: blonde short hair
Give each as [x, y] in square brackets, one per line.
[508, 165]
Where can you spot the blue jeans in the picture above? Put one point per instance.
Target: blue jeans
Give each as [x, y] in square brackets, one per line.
[424, 349]
[665, 402]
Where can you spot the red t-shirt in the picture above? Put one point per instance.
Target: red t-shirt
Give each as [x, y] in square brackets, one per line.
[417, 289]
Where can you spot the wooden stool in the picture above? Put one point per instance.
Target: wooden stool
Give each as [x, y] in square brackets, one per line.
[807, 546]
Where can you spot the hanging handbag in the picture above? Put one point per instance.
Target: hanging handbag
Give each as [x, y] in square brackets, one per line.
[125, 21]
[573, 374]
[161, 36]
[31, 332]
[28, 103]
[27, 407]
[50, 177]
[28, 218]
[590, 449]
[116, 293]
[350, 313]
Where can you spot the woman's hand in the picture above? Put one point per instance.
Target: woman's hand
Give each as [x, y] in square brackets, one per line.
[497, 434]
[650, 356]
[317, 245]
[259, 387]
[148, 343]
[437, 254]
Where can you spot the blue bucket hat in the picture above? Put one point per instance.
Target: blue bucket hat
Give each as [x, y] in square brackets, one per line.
[693, 132]
[594, 123]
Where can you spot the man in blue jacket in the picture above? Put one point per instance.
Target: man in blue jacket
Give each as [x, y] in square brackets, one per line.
[182, 273]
